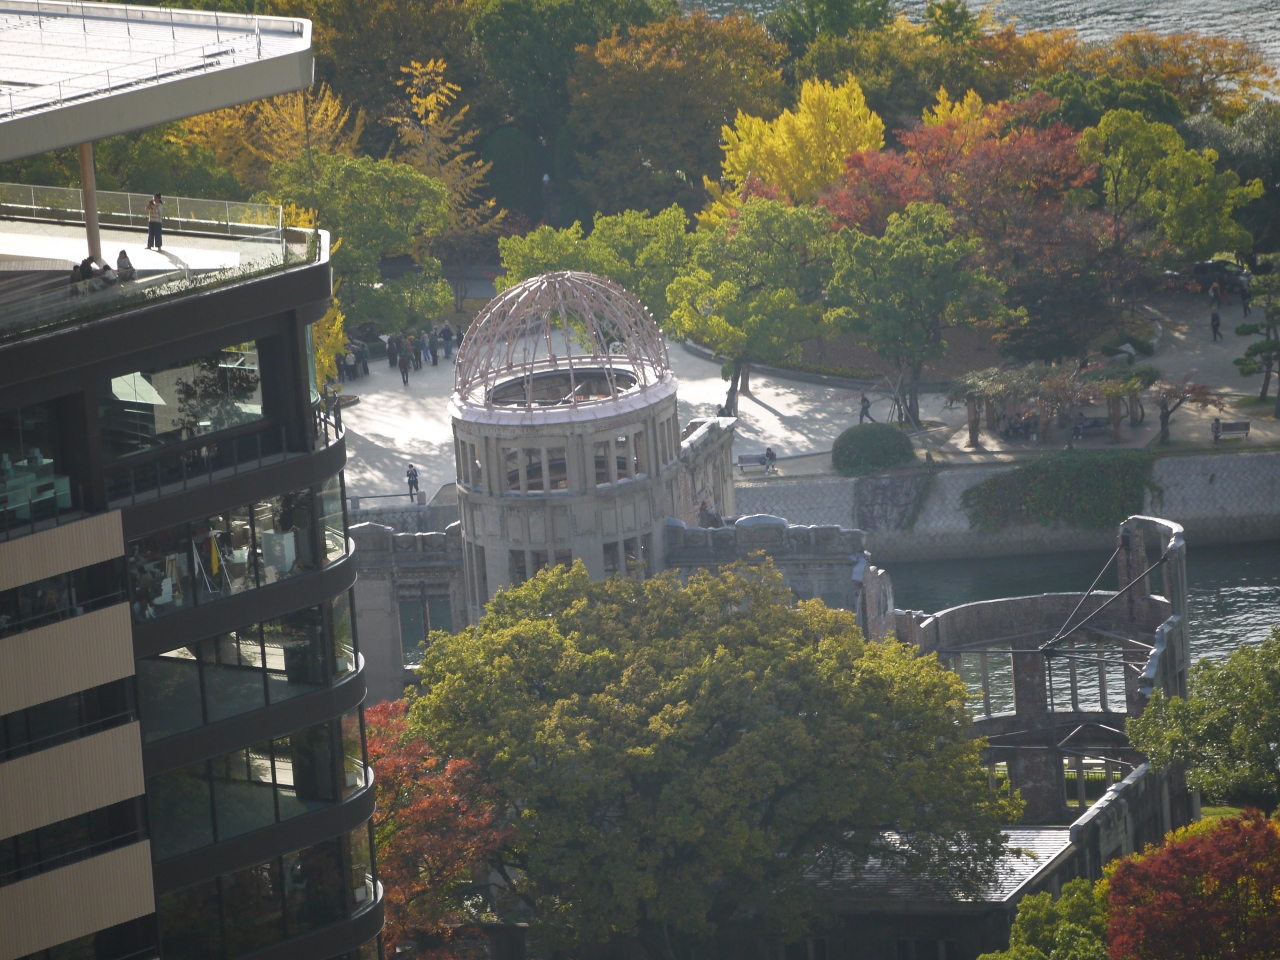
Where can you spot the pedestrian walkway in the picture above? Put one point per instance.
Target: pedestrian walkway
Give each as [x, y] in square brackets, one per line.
[394, 425]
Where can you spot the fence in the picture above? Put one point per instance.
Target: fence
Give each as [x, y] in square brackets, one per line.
[181, 214]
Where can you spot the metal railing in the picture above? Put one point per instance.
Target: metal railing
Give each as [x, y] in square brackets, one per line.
[236, 39]
[181, 214]
[248, 238]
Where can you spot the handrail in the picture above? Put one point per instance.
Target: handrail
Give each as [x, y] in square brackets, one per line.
[181, 215]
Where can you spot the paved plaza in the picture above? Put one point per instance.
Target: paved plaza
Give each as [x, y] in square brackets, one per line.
[394, 425]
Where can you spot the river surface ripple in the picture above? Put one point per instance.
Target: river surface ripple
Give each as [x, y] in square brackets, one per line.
[1234, 591]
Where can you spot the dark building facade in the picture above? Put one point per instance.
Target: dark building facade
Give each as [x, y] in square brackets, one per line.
[182, 763]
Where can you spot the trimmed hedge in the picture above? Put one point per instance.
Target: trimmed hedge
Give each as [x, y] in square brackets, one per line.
[1086, 490]
[869, 447]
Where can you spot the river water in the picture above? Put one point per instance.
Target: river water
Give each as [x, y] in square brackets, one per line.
[1256, 20]
[1234, 591]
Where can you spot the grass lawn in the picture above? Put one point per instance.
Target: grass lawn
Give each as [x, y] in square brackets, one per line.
[1213, 813]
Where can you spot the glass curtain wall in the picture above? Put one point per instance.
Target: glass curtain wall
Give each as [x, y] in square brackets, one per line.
[256, 786]
[245, 669]
[281, 898]
[237, 550]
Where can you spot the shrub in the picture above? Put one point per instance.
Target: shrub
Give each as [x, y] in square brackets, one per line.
[1086, 490]
[869, 447]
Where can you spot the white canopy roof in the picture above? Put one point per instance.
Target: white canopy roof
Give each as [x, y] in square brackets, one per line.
[77, 72]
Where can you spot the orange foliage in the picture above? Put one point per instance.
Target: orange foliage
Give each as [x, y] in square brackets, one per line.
[434, 824]
[1203, 72]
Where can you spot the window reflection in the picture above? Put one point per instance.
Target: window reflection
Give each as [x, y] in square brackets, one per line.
[223, 551]
[35, 443]
[234, 551]
[249, 909]
[244, 669]
[67, 595]
[152, 408]
[256, 786]
[334, 544]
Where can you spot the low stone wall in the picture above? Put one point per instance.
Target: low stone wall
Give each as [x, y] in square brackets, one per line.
[1218, 499]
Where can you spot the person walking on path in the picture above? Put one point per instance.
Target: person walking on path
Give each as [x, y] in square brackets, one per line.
[404, 369]
[433, 347]
[155, 215]
[864, 410]
[1215, 294]
[1215, 323]
[340, 361]
[362, 351]
[416, 340]
[1244, 300]
[353, 370]
[393, 351]
[412, 476]
[446, 337]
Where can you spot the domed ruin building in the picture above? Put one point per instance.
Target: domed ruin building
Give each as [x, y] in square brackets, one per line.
[567, 439]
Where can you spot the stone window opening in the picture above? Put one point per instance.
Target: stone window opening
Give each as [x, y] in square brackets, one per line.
[534, 470]
[557, 470]
[511, 458]
[600, 456]
[640, 454]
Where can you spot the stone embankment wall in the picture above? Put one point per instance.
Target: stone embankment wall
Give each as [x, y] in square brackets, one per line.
[1229, 498]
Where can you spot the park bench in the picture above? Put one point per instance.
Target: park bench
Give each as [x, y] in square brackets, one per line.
[1231, 428]
[752, 460]
[1092, 425]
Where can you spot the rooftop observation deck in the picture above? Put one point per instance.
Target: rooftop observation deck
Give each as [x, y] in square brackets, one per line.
[207, 243]
[77, 72]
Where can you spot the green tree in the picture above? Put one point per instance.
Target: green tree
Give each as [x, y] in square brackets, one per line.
[900, 69]
[952, 21]
[374, 209]
[160, 159]
[360, 46]
[529, 48]
[674, 757]
[797, 23]
[641, 252]
[753, 287]
[1155, 189]
[1227, 731]
[1083, 102]
[899, 293]
[1073, 927]
[1262, 356]
[1251, 147]
[647, 109]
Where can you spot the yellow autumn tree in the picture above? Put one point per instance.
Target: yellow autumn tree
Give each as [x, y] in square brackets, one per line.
[961, 111]
[287, 123]
[327, 335]
[804, 150]
[249, 138]
[433, 137]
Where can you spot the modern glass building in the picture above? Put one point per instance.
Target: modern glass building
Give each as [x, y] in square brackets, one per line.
[182, 764]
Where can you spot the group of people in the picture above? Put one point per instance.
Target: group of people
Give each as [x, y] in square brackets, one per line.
[406, 351]
[352, 360]
[93, 277]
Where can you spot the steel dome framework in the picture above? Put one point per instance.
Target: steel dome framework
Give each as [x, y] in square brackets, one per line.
[580, 325]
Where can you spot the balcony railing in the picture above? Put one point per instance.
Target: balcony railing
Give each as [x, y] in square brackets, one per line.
[235, 241]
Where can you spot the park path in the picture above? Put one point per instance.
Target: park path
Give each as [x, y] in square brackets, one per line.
[394, 425]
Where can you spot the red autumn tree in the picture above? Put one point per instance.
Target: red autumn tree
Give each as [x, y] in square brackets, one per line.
[435, 824]
[876, 184]
[1210, 893]
[1007, 179]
